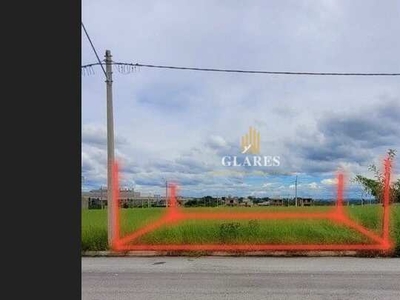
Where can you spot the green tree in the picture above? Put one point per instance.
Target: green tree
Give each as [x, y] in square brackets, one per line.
[375, 186]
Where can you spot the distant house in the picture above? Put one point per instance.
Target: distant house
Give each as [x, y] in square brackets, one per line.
[127, 198]
[246, 202]
[229, 201]
[276, 202]
[85, 203]
[305, 201]
[265, 203]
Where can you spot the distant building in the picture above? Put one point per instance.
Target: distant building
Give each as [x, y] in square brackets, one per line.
[305, 201]
[246, 202]
[265, 203]
[85, 203]
[276, 202]
[231, 201]
[127, 198]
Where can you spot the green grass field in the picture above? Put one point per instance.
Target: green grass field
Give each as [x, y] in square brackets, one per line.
[94, 227]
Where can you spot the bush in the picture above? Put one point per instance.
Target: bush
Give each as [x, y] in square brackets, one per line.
[94, 239]
[254, 226]
[229, 231]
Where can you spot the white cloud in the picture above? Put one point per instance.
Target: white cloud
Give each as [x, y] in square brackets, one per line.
[313, 185]
[329, 181]
[217, 142]
[177, 124]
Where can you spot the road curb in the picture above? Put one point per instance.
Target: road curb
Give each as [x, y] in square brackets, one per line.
[234, 254]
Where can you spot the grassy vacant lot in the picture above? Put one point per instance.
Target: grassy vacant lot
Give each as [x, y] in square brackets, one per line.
[94, 227]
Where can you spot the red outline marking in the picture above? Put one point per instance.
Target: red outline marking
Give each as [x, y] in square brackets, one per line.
[386, 202]
[116, 217]
[175, 215]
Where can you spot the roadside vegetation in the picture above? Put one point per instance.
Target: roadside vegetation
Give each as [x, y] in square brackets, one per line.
[94, 227]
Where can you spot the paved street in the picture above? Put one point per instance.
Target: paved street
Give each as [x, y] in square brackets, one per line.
[240, 278]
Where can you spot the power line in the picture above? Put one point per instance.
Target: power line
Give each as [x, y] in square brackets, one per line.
[245, 71]
[94, 50]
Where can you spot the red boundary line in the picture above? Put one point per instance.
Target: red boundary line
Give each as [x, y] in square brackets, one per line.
[175, 215]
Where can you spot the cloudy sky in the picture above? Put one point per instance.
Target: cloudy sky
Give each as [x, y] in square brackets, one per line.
[177, 125]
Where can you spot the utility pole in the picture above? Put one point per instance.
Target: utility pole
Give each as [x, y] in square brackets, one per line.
[295, 192]
[110, 149]
[166, 193]
[133, 202]
[101, 197]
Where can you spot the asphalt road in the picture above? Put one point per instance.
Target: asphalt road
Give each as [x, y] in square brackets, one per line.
[240, 278]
